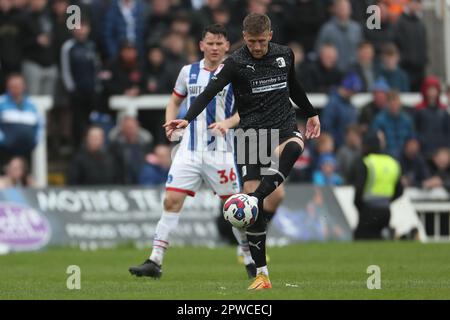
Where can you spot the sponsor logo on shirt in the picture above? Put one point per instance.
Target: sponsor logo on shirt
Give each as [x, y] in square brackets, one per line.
[269, 83]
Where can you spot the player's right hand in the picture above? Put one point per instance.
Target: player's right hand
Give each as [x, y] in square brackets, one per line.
[173, 125]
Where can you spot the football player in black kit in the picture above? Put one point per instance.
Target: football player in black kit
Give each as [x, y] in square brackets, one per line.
[263, 78]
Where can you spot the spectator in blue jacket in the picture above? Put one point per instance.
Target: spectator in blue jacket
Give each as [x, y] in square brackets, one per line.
[326, 175]
[396, 125]
[339, 112]
[156, 169]
[20, 123]
[124, 21]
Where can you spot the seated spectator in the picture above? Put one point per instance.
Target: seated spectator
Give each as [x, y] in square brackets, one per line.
[390, 70]
[93, 164]
[439, 170]
[365, 65]
[343, 32]
[414, 166]
[124, 22]
[16, 174]
[156, 167]
[432, 120]
[395, 124]
[348, 153]
[326, 175]
[378, 103]
[130, 144]
[20, 122]
[322, 75]
[339, 112]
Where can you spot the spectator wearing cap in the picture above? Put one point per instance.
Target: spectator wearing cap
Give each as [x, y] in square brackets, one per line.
[390, 70]
[343, 32]
[411, 39]
[20, 122]
[339, 112]
[124, 21]
[395, 123]
[322, 75]
[379, 101]
[432, 120]
[326, 175]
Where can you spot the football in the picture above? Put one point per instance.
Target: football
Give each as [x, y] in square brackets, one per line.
[240, 210]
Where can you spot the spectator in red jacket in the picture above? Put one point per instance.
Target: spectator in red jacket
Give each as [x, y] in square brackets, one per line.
[431, 93]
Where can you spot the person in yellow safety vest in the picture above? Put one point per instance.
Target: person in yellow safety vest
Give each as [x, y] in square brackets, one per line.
[377, 183]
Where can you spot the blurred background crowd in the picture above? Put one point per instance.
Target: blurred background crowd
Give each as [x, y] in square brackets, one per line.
[137, 47]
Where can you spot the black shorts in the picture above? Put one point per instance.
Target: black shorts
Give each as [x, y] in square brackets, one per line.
[254, 150]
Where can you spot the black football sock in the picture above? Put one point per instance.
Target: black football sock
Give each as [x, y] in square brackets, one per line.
[269, 183]
[256, 236]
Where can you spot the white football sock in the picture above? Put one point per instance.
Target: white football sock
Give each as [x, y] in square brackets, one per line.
[263, 270]
[241, 238]
[166, 224]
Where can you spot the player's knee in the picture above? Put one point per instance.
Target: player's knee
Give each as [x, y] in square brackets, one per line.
[293, 148]
[173, 203]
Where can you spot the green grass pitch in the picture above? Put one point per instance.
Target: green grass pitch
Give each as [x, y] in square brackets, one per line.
[303, 271]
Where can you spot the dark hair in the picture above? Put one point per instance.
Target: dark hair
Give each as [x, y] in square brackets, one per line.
[14, 75]
[255, 23]
[365, 43]
[216, 29]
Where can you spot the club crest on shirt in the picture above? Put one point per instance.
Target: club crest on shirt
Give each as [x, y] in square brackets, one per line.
[281, 63]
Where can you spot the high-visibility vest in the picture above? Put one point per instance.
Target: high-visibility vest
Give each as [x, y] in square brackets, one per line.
[383, 172]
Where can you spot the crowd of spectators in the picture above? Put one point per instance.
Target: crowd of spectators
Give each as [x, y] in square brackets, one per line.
[136, 47]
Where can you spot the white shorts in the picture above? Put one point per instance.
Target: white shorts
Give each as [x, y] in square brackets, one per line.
[217, 169]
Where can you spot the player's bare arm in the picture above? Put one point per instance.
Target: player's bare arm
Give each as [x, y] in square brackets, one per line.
[223, 126]
[172, 110]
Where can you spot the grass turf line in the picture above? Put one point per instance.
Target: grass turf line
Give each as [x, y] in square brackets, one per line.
[304, 271]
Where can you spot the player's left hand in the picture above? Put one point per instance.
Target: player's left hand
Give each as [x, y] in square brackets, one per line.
[313, 128]
[173, 125]
[218, 127]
